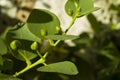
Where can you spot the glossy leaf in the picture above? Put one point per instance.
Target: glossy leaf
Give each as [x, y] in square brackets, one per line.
[22, 32]
[42, 20]
[61, 37]
[86, 7]
[65, 67]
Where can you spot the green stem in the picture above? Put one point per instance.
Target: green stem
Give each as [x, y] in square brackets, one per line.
[40, 61]
[56, 43]
[73, 19]
[39, 54]
[70, 25]
[28, 62]
[72, 22]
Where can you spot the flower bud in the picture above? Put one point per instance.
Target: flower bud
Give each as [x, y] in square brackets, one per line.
[70, 12]
[43, 32]
[15, 44]
[57, 28]
[34, 46]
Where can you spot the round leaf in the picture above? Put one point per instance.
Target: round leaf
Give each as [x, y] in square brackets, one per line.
[65, 67]
[86, 7]
[42, 20]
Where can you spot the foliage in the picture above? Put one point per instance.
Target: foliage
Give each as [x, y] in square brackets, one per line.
[36, 49]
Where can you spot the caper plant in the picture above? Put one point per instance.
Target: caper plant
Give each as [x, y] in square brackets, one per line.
[25, 40]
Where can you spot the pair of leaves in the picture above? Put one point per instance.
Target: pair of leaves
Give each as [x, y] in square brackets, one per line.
[65, 67]
[86, 7]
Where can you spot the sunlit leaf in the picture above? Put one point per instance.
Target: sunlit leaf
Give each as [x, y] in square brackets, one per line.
[86, 7]
[42, 20]
[65, 67]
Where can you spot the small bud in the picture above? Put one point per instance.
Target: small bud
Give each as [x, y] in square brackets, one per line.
[43, 32]
[70, 12]
[15, 44]
[57, 28]
[34, 46]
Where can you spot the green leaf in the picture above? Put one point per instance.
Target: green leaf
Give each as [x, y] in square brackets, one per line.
[88, 11]
[65, 67]
[61, 37]
[25, 37]
[29, 54]
[86, 7]
[42, 20]
[22, 32]
[70, 7]
[25, 49]
[3, 47]
[7, 77]
[94, 23]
